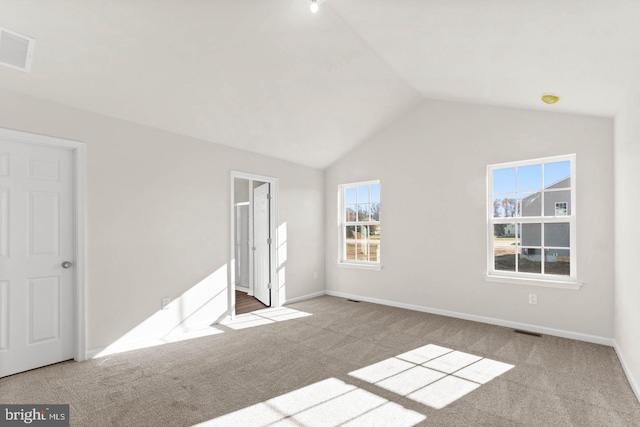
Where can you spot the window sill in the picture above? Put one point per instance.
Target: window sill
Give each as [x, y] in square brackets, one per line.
[558, 284]
[359, 266]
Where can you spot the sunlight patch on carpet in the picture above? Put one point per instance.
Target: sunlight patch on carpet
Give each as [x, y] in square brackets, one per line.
[326, 403]
[263, 317]
[432, 375]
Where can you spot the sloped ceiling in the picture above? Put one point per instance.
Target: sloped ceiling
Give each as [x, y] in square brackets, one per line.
[270, 77]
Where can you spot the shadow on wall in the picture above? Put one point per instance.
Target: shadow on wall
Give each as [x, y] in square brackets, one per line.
[188, 316]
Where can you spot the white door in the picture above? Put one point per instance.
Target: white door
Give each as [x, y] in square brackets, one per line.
[36, 238]
[261, 242]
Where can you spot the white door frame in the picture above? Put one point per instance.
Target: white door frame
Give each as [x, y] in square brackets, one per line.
[273, 225]
[79, 285]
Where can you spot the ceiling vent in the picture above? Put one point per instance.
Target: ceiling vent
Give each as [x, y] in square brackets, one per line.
[16, 50]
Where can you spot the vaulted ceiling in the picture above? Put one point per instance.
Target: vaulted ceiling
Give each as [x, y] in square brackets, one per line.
[271, 77]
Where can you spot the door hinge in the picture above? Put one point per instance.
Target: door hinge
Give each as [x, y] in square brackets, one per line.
[269, 286]
[269, 196]
[269, 241]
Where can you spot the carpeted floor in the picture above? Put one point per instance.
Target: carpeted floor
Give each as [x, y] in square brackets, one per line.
[553, 381]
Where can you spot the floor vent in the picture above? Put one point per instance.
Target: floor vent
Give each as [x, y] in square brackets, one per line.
[352, 300]
[533, 334]
[16, 50]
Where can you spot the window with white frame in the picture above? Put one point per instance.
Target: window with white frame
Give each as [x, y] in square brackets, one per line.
[532, 219]
[359, 220]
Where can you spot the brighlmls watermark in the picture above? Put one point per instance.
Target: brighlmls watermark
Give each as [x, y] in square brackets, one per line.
[34, 415]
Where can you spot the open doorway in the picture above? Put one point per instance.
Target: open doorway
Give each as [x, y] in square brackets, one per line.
[253, 230]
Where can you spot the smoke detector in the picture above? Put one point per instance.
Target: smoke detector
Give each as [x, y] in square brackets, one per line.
[16, 50]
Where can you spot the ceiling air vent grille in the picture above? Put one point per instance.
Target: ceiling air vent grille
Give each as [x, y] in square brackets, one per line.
[16, 50]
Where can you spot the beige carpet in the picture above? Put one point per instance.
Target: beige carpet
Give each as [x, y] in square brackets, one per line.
[553, 381]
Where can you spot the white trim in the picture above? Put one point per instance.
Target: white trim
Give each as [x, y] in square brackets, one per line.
[80, 261]
[360, 265]
[242, 289]
[489, 320]
[92, 353]
[304, 297]
[635, 386]
[558, 284]
[273, 219]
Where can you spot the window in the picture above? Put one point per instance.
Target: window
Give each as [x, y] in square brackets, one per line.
[359, 220]
[532, 219]
[561, 208]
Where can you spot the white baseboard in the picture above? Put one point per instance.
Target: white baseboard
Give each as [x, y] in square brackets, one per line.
[242, 289]
[490, 320]
[94, 352]
[304, 297]
[632, 381]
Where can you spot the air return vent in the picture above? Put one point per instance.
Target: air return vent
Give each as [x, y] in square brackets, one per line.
[16, 50]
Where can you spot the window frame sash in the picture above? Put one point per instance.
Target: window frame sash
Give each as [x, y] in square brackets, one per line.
[343, 224]
[541, 219]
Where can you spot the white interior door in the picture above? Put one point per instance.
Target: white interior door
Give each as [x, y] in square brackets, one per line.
[36, 238]
[261, 242]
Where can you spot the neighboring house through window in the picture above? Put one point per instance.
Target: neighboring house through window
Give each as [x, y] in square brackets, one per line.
[532, 219]
[359, 219]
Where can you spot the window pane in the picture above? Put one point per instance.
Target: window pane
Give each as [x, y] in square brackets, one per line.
[505, 258]
[363, 194]
[351, 251]
[504, 180]
[561, 208]
[505, 206]
[530, 261]
[350, 239]
[531, 234]
[530, 178]
[552, 197]
[557, 175]
[504, 235]
[530, 204]
[368, 251]
[363, 244]
[365, 232]
[557, 235]
[350, 214]
[375, 193]
[350, 196]
[557, 261]
[374, 232]
[375, 211]
[364, 212]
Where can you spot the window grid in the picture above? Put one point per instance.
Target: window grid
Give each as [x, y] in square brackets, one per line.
[358, 227]
[517, 220]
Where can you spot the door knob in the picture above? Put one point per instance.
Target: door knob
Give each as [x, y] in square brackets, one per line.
[66, 264]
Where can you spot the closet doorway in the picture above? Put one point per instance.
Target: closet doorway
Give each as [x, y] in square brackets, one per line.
[253, 228]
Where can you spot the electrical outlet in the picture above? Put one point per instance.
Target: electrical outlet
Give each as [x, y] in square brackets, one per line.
[315, 274]
[165, 303]
[533, 298]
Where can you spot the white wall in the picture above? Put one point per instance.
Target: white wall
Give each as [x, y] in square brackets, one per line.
[627, 236]
[241, 187]
[158, 218]
[432, 166]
